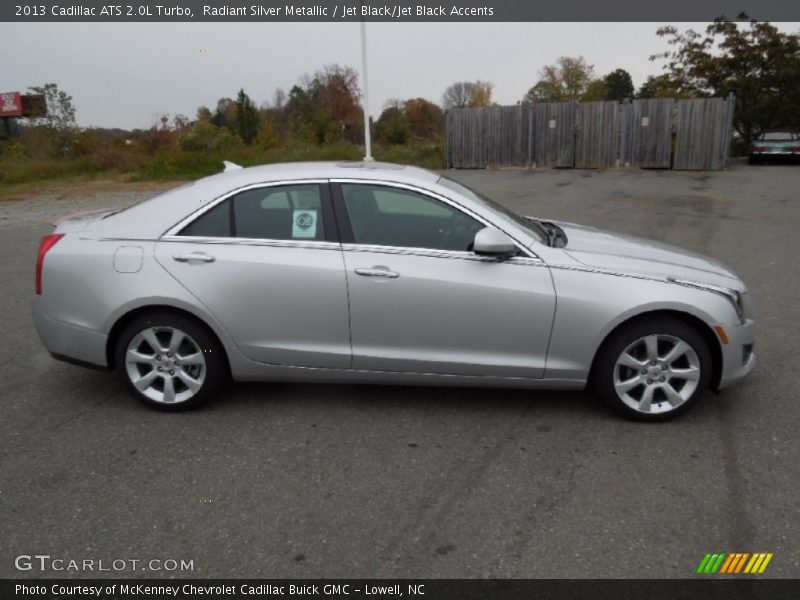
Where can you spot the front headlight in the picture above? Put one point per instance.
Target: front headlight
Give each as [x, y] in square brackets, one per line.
[735, 297]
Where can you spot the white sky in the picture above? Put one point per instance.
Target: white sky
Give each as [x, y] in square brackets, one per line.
[129, 74]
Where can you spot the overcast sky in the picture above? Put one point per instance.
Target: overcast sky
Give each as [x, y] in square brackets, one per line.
[129, 74]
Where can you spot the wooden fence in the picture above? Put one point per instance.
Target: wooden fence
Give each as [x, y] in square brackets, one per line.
[650, 134]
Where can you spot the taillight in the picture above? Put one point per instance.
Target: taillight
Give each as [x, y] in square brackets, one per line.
[47, 242]
[796, 150]
[759, 149]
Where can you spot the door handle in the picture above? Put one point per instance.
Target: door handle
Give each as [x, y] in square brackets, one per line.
[378, 272]
[198, 256]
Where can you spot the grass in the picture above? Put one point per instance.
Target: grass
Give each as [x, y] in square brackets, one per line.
[192, 165]
[19, 175]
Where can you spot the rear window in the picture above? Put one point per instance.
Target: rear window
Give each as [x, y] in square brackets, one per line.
[778, 136]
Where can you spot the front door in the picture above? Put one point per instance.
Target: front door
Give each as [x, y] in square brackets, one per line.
[422, 302]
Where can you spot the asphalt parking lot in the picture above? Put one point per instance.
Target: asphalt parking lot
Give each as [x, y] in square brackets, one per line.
[291, 480]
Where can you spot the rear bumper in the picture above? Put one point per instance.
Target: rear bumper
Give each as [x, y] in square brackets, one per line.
[69, 342]
[738, 356]
[774, 156]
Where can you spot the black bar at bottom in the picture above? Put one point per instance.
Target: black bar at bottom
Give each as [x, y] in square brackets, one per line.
[733, 588]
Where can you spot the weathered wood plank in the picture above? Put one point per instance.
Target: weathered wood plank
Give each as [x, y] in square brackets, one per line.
[651, 134]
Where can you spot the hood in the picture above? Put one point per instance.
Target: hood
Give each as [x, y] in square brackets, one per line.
[622, 253]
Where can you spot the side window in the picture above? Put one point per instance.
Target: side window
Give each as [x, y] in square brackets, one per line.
[389, 216]
[292, 212]
[212, 223]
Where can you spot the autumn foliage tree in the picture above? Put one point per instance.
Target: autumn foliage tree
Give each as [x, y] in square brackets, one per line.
[566, 80]
[416, 118]
[326, 107]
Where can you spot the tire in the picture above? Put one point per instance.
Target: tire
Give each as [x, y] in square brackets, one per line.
[169, 362]
[653, 369]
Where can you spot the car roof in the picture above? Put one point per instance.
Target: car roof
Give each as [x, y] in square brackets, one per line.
[322, 170]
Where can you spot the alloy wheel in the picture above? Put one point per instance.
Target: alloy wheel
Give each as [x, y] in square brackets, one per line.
[656, 373]
[165, 364]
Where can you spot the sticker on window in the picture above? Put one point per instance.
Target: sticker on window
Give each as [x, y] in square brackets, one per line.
[304, 224]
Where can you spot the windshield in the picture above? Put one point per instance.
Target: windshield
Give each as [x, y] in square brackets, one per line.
[494, 207]
[777, 136]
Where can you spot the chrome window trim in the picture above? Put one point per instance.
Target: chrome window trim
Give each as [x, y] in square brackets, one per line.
[433, 253]
[173, 231]
[449, 201]
[237, 241]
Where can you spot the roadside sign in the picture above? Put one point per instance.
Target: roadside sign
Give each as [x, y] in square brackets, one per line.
[10, 104]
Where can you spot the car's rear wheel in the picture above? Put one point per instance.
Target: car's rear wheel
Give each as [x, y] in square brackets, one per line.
[169, 362]
[653, 369]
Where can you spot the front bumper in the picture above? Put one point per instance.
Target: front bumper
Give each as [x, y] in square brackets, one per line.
[69, 342]
[738, 356]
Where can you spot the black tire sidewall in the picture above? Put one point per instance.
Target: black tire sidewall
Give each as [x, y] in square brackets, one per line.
[216, 367]
[603, 372]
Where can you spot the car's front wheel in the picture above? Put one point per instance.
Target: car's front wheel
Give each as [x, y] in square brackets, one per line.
[169, 362]
[653, 369]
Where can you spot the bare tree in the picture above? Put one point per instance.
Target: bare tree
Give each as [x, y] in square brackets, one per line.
[468, 93]
[458, 95]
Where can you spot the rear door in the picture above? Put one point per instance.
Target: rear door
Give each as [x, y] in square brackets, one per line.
[266, 261]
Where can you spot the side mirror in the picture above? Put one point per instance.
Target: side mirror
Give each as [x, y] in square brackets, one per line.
[493, 242]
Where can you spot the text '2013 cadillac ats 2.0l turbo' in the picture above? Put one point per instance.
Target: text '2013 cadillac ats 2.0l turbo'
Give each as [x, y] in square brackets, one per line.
[371, 272]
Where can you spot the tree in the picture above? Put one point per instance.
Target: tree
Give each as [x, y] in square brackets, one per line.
[60, 110]
[596, 91]
[661, 86]
[247, 119]
[468, 93]
[225, 114]
[566, 80]
[392, 126]
[415, 118]
[619, 85]
[754, 61]
[458, 95]
[482, 94]
[204, 114]
[616, 85]
[340, 100]
[326, 107]
[425, 119]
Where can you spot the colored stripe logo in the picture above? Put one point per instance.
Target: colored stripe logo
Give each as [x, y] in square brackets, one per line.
[735, 562]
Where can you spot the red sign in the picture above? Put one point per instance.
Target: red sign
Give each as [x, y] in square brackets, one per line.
[10, 104]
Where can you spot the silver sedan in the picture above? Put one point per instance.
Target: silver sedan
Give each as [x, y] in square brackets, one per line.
[370, 272]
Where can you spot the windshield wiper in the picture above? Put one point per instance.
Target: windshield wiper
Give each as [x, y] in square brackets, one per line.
[541, 229]
[556, 237]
